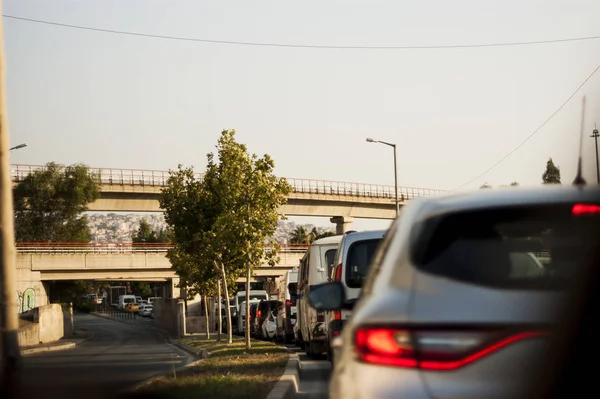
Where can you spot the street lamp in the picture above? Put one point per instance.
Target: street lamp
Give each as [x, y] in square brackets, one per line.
[370, 140]
[18, 147]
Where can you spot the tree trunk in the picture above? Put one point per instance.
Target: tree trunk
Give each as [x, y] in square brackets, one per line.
[219, 318]
[248, 343]
[205, 298]
[228, 311]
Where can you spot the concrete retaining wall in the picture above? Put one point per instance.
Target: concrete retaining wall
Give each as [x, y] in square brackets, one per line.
[31, 293]
[169, 315]
[49, 324]
[197, 324]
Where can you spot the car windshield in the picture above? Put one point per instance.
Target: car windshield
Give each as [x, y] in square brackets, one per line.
[358, 261]
[128, 300]
[511, 248]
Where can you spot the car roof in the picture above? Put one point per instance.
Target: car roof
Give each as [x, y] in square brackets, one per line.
[501, 197]
[365, 234]
[327, 240]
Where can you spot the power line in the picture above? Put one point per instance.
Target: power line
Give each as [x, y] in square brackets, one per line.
[535, 131]
[305, 46]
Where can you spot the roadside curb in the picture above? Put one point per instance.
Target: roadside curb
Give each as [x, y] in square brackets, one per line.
[51, 348]
[199, 353]
[59, 347]
[288, 385]
[202, 354]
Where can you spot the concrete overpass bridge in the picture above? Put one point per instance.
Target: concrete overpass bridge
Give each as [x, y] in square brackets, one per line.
[40, 264]
[137, 190]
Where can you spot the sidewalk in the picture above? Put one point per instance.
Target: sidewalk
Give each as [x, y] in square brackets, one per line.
[79, 336]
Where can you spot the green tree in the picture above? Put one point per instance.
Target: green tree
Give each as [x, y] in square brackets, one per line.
[145, 233]
[49, 204]
[300, 236]
[141, 288]
[165, 235]
[552, 173]
[485, 185]
[224, 220]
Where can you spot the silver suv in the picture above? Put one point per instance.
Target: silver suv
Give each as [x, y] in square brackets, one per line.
[462, 294]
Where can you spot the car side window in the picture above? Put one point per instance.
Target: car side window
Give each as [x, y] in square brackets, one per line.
[378, 260]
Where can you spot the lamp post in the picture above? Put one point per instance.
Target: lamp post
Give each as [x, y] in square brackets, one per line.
[370, 140]
[595, 135]
[18, 147]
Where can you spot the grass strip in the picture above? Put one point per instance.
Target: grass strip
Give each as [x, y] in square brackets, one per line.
[229, 372]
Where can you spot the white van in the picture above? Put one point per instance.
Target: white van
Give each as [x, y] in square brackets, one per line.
[153, 298]
[126, 299]
[291, 306]
[315, 268]
[254, 294]
[353, 260]
[241, 320]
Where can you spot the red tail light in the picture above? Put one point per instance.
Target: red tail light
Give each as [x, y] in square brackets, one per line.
[259, 314]
[337, 315]
[336, 333]
[338, 273]
[431, 350]
[320, 317]
[288, 303]
[581, 209]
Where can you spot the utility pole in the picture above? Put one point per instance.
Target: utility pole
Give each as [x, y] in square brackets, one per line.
[10, 355]
[595, 136]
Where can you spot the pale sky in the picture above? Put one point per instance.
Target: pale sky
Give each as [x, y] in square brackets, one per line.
[121, 101]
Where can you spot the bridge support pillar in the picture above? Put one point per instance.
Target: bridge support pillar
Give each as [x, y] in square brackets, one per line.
[342, 223]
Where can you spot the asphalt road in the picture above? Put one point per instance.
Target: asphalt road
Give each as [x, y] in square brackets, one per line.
[314, 377]
[119, 356]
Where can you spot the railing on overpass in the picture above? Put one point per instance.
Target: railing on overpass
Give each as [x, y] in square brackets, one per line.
[113, 248]
[159, 178]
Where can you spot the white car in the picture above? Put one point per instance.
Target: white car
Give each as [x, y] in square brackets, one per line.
[456, 303]
[145, 310]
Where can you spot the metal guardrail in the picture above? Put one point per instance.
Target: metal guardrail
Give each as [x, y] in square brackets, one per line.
[113, 248]
[159, 178]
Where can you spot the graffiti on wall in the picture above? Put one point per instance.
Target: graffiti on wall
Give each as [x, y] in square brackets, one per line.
[26, 300]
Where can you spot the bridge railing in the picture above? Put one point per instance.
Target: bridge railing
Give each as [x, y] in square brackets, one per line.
[113, 248]
[159, 178]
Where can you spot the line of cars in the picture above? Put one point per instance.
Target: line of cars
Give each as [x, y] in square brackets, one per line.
[269, 319]
[459, 297]
[135, 304]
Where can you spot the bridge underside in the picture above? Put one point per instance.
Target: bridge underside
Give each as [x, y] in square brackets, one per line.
[145, 199]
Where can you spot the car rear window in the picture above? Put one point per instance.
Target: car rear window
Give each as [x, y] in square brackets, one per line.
[521, 248]
[358, 261]
[330, 258]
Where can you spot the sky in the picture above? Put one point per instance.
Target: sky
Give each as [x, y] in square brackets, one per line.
[123, 101]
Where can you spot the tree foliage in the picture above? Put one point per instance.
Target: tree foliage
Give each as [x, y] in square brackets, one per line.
[485, 185]
[222, 222]
[49, 204]
[141, 288]
[300, 235]
[145, 233]
[552, 173]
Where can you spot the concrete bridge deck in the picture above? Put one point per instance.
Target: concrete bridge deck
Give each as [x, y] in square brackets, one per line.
[127, 262]
[137, 190]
